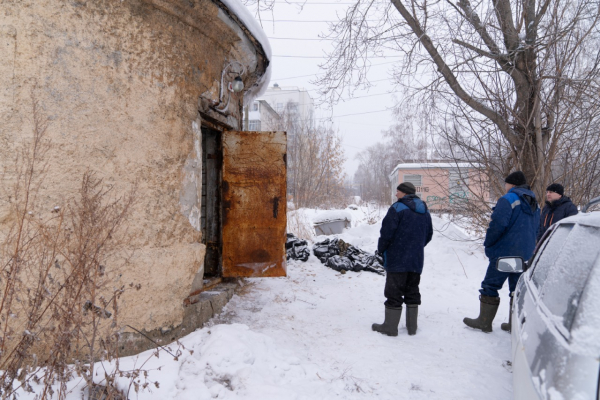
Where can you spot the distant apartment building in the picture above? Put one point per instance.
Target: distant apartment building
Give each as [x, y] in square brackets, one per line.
[442, 185]
[289, 109]
[292, 104]
[262, 117]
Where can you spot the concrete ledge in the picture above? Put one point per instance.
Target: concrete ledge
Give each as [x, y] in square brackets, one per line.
[199, 309]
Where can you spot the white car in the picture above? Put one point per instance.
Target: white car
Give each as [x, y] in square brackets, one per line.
[556, 314]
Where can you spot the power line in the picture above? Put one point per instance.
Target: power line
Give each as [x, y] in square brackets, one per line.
[348, 115]
[347, 99]
[312, 3]
[288, 56]
[304, 76]
[315, 74]
[309, 21]
[282, 56]
[287, 38]
[293, 77]
[363, 123]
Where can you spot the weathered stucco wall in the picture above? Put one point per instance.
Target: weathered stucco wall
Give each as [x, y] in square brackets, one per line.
[121, 82]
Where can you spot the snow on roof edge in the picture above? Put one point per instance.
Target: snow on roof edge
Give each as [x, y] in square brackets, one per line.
[433, 164]
[331, 215]
[236, 8]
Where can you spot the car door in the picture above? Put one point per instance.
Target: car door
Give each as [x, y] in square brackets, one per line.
[527, 323]
[547, 300]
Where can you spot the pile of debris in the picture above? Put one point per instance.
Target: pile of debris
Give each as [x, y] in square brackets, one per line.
[296, 249]
[342, 256]
[335, 254]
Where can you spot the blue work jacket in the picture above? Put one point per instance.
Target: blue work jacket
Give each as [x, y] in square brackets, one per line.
[405, 231]
[514, 225]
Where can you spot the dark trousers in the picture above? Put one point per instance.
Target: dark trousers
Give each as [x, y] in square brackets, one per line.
[494, 280]
[402, 287]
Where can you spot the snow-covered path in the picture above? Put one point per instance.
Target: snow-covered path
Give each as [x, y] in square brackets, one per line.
[308, 336]
[324, 318]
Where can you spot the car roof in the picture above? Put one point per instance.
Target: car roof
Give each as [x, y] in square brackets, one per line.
[590, 219]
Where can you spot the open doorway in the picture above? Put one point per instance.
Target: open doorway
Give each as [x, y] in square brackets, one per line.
[243, 211]
[212, 164]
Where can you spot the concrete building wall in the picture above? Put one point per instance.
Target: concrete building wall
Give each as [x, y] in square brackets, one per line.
[122, 83]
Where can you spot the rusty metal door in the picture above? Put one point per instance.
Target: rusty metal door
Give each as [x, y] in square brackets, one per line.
[254, 204]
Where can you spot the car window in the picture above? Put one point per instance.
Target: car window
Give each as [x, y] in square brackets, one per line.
[549, 253]
[567, 276]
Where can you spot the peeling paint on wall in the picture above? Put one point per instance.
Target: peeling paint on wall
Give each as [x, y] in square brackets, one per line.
[190, 197]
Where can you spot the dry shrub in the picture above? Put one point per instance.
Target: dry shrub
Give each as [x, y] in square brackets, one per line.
[59, 280]
[373, 212]
[299, 224]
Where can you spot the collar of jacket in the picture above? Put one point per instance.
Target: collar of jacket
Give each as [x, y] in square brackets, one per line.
[557, 202]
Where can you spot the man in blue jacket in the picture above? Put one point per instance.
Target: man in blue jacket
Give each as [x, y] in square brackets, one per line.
[405, 231]
[558, 206]
[512, 232]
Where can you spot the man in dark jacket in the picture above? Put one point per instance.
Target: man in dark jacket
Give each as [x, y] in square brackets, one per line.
[558, 206]
[405, 231]
[512, 232]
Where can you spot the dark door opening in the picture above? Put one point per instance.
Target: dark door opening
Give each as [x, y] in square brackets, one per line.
[211, 201]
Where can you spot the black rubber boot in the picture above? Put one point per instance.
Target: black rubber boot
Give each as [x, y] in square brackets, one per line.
[506, 327]
[412, 312]
[488, 306]
[390, 325]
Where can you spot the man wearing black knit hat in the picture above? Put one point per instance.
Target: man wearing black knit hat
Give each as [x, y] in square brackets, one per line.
[405, 231]
[558, 206]
[512, 232]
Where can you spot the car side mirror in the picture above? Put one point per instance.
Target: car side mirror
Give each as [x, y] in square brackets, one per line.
[510, 264]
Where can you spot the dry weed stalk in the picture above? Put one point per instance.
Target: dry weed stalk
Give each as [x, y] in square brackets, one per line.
[299, 224]
[372, 212]
[60, 281]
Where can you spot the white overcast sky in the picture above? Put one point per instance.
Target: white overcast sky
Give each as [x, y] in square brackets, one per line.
[293, 29]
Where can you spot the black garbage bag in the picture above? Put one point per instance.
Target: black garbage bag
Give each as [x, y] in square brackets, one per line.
[296, 249]
[290, 240]
[340, 263]
[337, 254]
[333, 247]
[321, 252]
[301, 251]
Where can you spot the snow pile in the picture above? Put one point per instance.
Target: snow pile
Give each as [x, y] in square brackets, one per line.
[331, 215]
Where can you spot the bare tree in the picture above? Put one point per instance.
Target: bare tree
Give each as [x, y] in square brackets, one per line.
[373, 173]
[315, 161]
[512, 84]
[403, 141]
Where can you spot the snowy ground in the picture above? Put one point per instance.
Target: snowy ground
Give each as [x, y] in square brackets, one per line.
[308, 336]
